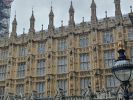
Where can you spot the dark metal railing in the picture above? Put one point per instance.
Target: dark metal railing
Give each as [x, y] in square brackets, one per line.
[1, 97]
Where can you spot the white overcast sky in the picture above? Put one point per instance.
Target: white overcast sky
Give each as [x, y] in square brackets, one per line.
[23, 10]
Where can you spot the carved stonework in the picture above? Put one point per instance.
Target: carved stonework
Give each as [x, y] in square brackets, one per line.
[52, 69]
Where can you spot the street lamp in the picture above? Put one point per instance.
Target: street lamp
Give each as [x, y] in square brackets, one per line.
[122, 70]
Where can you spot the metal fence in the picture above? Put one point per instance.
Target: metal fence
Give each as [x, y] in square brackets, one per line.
[1, 97]
[75, 98]
[80, 98]
[60, 98]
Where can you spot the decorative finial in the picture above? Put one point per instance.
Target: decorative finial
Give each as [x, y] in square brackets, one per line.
[51, 12]
[61, 22]
[51, 5]
[51, 8]
[23, 30]
[32, 10]
[15, 14]
[42, 27]
[106, 14]
[71, 2]
[83, 19]
[71, 5]
[131, 9]
[93, 4]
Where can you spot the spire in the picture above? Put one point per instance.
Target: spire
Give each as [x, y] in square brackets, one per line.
[42, 32]
[83, 24]
[42, 27]
[71, 9]
[14, 26]
[93, 13]
[93, 4]
[71, 15]
[51, 12]
[32, 22]
[83, 20]
[106, 14]
[131, 9]
[51, 19]
[118, 13]
[61, 23]
[23, 30]
[62, 26]
[106, 20]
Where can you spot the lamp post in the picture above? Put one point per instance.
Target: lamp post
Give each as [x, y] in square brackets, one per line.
[122, 70]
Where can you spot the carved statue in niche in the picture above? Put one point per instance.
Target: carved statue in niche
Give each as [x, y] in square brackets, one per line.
[9, 62]
[29, 47]
[70, 42]
[49, 56]
[97, 83]
[71, 60]
[49, 79]
[94, 48]
[95, 60]
[72, 75]
[28, 61]
[49, 44]
[27, 81]
[119, 35]
[10, 53]
[7, 84]
[94, 37]
[71, 53]
[124, 30]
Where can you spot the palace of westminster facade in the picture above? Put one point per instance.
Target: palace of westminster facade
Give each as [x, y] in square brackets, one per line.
[70, 57]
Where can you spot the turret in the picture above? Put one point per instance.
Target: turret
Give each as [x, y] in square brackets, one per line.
[32, 23]
[51, 20]
[14, 27]
[71, 15]
[118, 13]
[93, 14]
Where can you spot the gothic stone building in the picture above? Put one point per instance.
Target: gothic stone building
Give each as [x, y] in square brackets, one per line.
[70, 57]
